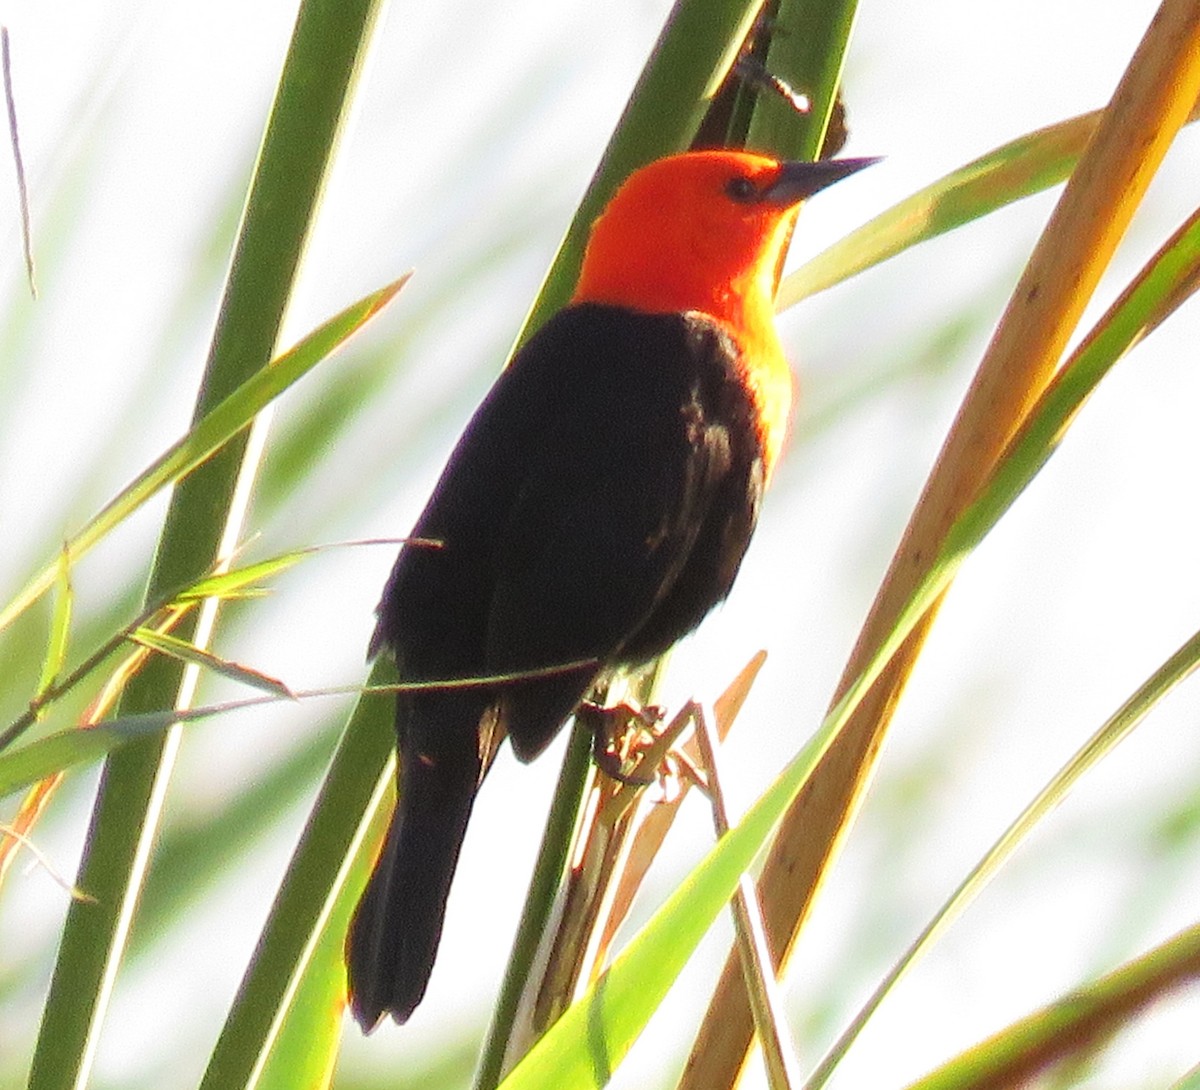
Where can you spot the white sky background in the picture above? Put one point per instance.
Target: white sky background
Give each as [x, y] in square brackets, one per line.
[139, 121]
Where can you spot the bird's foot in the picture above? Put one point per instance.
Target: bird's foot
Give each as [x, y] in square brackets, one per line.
[621, 735]
[637, 747]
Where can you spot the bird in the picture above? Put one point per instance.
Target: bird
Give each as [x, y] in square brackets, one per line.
[596, 507]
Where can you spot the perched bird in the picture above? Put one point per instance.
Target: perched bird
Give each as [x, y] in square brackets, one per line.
[597, 506]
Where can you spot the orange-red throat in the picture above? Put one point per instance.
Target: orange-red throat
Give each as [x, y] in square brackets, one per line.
[705, 231]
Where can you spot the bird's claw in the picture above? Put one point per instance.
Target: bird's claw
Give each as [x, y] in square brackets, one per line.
[619, 735]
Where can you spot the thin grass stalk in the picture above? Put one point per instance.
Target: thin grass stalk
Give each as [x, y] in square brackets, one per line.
[504, 1040]
[762, 993]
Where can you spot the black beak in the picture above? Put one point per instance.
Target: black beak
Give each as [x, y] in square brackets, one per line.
[798, 180]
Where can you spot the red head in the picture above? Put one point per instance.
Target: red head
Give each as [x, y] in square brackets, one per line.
[699, 231]
[705, 231]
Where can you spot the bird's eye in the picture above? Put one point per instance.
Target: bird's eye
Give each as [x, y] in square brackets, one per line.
[741, 189]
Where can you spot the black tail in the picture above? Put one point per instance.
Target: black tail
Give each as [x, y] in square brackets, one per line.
[395, 932]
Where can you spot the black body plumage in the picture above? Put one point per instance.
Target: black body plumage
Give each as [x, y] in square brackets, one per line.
[597, 506]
